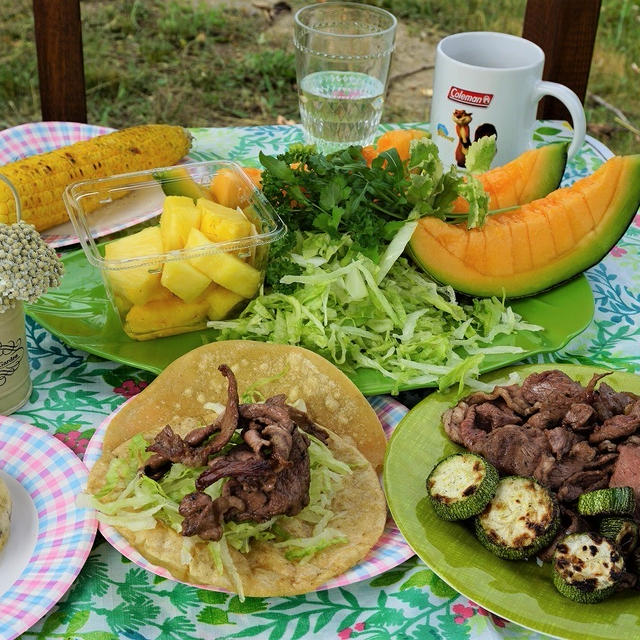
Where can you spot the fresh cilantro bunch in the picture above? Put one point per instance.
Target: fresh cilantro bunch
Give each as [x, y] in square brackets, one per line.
[336, 194]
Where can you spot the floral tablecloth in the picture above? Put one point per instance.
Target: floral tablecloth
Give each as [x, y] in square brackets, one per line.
[115, 599]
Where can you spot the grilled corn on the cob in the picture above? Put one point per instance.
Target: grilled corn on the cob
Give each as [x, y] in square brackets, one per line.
[41, 179]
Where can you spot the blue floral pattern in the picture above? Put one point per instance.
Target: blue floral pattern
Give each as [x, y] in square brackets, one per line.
[113, 598]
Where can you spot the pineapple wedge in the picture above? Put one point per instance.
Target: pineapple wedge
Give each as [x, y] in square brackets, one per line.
[164, 318]
[220, 223]
[224, 269]
[221, 302]
[137, 284]
[179, 215]
[184, 280]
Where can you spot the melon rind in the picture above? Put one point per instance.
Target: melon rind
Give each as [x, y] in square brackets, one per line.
[545, 175]
[598, 208]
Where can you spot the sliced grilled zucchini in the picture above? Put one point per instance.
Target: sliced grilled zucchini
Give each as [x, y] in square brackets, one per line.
[621, 531]
[521, 519]
[586, 567]
[614, 501]
[461, 485]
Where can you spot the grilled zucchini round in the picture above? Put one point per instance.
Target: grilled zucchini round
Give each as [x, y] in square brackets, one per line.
[586, 567]
[521, 518]
[461, 485]
[621, 531]
[614, 501]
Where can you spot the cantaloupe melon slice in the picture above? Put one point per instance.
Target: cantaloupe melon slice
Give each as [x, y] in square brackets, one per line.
[550, 240]
[532, 175]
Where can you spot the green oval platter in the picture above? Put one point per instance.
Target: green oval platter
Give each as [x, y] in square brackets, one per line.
[81, 315]
[518, 591]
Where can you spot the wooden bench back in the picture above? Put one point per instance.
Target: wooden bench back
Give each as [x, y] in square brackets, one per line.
[565, 29]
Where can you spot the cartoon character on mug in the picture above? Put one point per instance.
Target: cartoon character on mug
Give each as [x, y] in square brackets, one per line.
[462, 120]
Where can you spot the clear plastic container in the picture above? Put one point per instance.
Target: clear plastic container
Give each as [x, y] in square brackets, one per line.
[176, 246]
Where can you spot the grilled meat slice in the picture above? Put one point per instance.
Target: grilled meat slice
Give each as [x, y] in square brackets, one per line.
[203, 516]
[565, 435]
[190, 450]
[287, 495]
[240, 461]
[615, 427]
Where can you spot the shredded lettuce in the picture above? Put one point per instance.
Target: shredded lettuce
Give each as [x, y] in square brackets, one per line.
[405, 326]
[297, 549]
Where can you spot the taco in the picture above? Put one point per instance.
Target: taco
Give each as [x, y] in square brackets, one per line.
[248, 467]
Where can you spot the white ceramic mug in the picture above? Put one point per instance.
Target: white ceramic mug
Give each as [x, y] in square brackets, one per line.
[490, 83]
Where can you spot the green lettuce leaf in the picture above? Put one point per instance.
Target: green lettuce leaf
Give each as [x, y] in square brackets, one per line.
[480, 155]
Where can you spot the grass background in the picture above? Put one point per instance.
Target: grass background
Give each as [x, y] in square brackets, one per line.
[214, 64]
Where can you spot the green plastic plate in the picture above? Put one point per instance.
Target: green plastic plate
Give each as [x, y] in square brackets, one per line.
[80, 314]
[518, 591]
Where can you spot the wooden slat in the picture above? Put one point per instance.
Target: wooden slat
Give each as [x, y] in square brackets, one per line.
[58, 32]
[566, 31]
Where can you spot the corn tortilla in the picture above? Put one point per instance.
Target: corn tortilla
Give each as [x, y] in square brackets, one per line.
[177, 397]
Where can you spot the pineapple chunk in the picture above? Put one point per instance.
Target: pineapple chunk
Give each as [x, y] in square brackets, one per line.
[220, 223]
[164, 318]
[122, 304]
[221, 302]
[225, 269]
[184, 280]
[138, 284]
[162, 294]
[179, 215]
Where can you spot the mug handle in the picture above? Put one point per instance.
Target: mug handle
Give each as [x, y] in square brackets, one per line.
[571, 101]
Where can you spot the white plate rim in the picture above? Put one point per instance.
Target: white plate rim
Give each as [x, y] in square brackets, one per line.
[53, 476]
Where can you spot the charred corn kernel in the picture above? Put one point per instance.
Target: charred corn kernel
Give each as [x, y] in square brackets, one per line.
[41, 179]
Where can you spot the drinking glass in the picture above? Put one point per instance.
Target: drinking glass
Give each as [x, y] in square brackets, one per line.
[343, 53]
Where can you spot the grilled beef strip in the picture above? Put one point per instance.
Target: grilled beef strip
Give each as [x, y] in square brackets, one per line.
[259, 487]
[300, 418]
[240, 461]
[614, 428]
[511, 395]
[203, 516]
[190, 450]
[285, 493]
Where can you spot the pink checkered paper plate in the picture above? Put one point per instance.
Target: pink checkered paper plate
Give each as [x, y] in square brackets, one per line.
[31, 138]
[390, 551]
[51, 536]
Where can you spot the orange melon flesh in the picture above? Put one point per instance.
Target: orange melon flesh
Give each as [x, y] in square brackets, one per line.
[501, 261]
[532, 175]
[549, 240]
[398, 139]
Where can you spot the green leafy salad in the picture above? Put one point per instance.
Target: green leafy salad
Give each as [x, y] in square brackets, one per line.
[338, 284]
